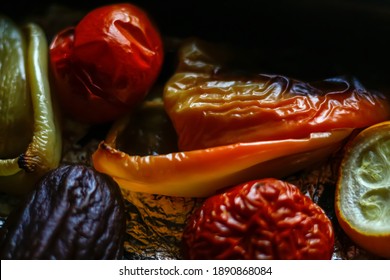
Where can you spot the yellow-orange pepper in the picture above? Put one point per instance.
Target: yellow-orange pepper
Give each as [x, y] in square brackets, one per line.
[203, 172]
[210, 105]
[220, 150]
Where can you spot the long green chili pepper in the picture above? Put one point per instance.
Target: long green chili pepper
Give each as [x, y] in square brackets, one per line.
[30, 136]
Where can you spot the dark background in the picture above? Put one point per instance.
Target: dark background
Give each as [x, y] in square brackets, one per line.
[303, 39]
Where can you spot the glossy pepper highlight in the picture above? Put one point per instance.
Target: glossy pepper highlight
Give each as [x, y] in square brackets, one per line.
[203, 172]
[210, 106]
[203, 99]
[30, 141]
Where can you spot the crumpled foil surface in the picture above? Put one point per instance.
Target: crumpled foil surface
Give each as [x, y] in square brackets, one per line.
[155, 222]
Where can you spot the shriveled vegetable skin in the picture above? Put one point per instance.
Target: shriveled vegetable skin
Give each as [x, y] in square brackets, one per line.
[105, 65]
[74, 213]
[261, 219]
[201, 173]
[211, 105]
[30, 134]
[15, 101]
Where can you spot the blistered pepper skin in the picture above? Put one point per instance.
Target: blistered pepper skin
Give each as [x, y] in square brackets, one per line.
[211, 107]
[39, 150]
[232, 129]
[15, 100]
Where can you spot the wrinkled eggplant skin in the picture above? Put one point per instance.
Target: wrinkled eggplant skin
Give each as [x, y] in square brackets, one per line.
[74, 213]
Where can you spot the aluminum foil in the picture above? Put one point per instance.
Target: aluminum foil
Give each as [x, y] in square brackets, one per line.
[155, 222]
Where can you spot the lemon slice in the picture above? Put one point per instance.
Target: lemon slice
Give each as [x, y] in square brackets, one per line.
[362, 199]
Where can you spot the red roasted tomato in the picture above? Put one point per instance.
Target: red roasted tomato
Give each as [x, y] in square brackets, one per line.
[263, 219]
[106, 65]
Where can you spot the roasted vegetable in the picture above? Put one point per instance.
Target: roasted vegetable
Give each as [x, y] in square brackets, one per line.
[200, 173]
[74, 213]
[30, 138]
[362, 198]
[246, 147]
[106, 65]
[16, 107]
[262, 219]
[148, 131]
[211, 106]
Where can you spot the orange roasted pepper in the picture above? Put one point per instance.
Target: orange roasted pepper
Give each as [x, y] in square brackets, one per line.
[251, 137]
[209, 106]
[201, 173]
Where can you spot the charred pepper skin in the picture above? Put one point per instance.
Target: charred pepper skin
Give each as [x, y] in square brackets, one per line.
[74, 213]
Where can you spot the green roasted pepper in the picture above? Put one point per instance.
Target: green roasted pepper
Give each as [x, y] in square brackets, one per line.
[30, 136]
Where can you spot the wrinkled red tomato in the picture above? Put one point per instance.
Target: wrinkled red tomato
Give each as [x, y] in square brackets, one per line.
[262, 219]
[105, 65]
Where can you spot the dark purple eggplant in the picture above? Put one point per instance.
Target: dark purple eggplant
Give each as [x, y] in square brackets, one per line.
[74, 213]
